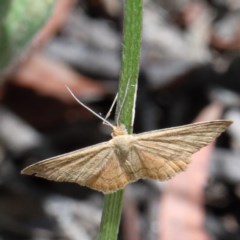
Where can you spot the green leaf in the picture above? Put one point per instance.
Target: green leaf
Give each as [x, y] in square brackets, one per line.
[19, 22]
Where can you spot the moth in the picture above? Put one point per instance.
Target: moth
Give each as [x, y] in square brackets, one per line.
[110, 166]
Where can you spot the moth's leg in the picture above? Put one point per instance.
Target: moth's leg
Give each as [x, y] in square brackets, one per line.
[123, 102]
[111, 108]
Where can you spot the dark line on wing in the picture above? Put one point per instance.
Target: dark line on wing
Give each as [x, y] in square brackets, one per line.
[180, 142]
[183, 132]
[166, 147]
[99, 162]
[71, 160]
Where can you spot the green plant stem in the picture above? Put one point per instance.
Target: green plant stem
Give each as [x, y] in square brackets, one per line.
[132, 34]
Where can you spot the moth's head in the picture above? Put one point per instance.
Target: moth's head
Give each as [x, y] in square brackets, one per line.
[119, 130]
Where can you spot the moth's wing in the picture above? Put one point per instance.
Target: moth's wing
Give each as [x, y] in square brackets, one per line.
[76, 166]
[163, 153]
[96, 167]
[112, 177]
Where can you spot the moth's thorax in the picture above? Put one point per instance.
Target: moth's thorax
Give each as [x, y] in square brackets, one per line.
[123, 144]
[119, 131]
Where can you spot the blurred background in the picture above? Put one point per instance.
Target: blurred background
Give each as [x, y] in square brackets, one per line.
[190, 71]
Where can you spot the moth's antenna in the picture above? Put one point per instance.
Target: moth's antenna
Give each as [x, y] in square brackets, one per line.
[111, 108]
[89, 109]
[124, 99]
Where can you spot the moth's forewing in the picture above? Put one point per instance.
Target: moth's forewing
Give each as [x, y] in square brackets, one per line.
[76, 166]
[164, 153]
